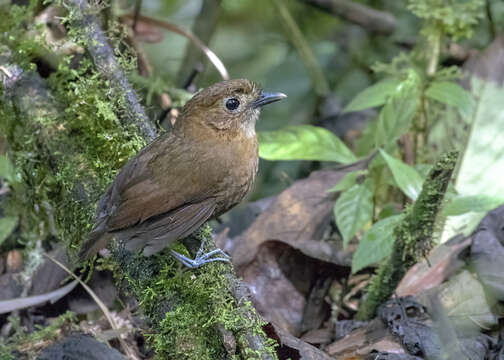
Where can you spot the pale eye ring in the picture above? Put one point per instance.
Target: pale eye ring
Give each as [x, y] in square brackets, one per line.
[232, 104]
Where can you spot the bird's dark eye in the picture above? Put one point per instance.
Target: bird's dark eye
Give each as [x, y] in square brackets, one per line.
[232, 104]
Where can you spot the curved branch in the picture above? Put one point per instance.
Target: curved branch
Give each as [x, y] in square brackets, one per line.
[214, 59]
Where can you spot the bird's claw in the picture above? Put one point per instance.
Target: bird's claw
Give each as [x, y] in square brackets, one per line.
[201, 258]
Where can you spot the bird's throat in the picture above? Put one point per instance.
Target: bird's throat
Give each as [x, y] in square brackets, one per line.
[248, 126]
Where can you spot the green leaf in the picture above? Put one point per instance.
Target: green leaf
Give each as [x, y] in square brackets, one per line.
[472, 203]
[6, 169]
[374, 95]
[7, 225]
[481, 161]
[303, 142]
[348, 181]
[405, 176]
[376, 243]
[354, 209]
[397, 116]
[452, 94]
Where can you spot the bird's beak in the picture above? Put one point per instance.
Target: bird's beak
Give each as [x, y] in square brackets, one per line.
[266, 98]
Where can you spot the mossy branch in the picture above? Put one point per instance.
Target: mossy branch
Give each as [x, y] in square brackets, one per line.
[413, 236]
[185, 308]
[67, 144]
[188, 309]
[105, 62]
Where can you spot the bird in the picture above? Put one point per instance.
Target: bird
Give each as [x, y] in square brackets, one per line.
[197, 171]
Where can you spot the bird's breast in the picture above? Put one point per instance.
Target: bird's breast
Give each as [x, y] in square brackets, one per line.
[238, 165]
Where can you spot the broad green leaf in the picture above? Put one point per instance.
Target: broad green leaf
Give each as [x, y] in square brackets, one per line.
[6, 168]
[374, 95]
[397, 116]
[405, 176]
[7, 225]
[481, 161]
[452, 94]
[348, 181]
[475, 203]
[304, 142]
[376, 243]
[354, 209]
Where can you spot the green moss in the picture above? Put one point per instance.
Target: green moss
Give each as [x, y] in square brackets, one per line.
[100, 145]
[67, 146]
[414, 236]
[16, 22]
[185, 307]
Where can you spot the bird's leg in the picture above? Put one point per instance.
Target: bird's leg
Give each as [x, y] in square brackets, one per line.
[201, 258]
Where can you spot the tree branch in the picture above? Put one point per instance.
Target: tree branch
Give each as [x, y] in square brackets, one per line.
[370, 19]
[105, 62]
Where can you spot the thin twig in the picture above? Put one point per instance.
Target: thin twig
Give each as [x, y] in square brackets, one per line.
[6, 306]
[214, 59]
[189, 84]
[204, 27]
[127, 349]
[6, 71]
[491, 22]
[136, 14]
[106, 64]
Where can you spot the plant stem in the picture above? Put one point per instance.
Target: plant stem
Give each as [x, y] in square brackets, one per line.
[423, 122]
[297, 38]
[436, 51]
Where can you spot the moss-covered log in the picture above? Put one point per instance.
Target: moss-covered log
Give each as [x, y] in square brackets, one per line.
[66, 143]
[413, 236]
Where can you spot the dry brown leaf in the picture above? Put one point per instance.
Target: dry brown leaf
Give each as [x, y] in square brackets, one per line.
[298, 217]
[443, 262]
[283, 259]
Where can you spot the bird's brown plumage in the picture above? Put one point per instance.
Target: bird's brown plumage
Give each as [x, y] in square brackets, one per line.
[200, 169]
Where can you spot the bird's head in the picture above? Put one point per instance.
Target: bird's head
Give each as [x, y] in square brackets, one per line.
[228, 105]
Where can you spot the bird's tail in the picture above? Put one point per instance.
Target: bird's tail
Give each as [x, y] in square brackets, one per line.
[99, 236]
[98, 239]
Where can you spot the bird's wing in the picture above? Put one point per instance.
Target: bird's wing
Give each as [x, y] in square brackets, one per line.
[161, 179]
[156, 233]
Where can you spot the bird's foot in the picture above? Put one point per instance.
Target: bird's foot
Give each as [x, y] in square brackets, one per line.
[201, 258]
